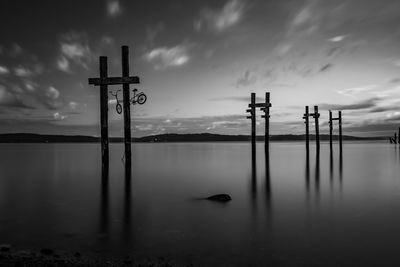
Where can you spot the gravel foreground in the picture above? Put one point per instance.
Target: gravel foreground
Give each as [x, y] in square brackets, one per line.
[49, 258]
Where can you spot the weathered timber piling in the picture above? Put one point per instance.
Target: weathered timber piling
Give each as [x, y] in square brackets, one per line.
[339, 119]
[266, 116]
[104, 115]
[316, 118]
[126, 103]
[253, 121]
[306, 118]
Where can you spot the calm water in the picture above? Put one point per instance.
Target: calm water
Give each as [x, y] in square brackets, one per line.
[320, 213]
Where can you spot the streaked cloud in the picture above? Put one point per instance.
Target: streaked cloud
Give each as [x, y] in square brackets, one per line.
[52, 93]
[63, 64]
[153, 31]
[4, 70]
[12, 98]
[52, 99]
[24, 71]
[219, 20]
[73, 105]
[305, 20]
[337, 39]
[164, 57]
[357, 90]
[114, 8]
[30, 85]
[248, 78]
[58, 116]
[74, 47]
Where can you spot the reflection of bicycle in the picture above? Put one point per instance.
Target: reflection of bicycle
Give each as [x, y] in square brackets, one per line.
[138, 98]
[118, 107]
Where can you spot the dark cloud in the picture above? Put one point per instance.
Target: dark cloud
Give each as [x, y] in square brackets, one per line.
[326, 67]
[395, 80]
[365, 104]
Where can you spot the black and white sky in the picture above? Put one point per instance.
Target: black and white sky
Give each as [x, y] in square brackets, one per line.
[199, 61]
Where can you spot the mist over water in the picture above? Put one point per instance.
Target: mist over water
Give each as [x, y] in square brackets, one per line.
[321, 211]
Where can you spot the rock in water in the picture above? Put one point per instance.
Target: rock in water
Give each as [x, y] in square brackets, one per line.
[220, 198]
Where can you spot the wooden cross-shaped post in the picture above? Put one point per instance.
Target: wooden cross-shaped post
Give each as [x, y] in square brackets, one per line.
[266, 116]
[306, 117]
[315, 115]
[103, 82]
[252, 116]
[331, 119]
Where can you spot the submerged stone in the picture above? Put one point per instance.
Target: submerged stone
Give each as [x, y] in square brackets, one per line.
[220, 198]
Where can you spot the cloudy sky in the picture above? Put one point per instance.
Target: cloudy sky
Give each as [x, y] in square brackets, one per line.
[198, 62]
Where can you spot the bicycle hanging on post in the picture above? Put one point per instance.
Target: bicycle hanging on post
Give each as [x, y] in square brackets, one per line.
[118, 107]
[139, 98]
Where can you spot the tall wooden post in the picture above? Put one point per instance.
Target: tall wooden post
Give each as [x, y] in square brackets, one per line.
[316, 117]
[267, 104]
[104, 115]
[126, 103]
[340, 132]
[306, 117]
[253, 122]
[395, 138]
[330, 131]
[399, 136]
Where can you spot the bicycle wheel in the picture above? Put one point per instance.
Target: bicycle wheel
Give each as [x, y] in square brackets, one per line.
[141, 98]
[118, 107]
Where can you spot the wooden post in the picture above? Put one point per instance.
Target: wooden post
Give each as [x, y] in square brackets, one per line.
[395, 138]
[104, 115]
[399, 137]
[306, 117]
[316, 117]
[340, 132]
[267, 104]
[126, 103]
[330, 131]
[253, 122]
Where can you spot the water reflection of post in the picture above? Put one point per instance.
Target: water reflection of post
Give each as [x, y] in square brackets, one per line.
[331, 168]
[317, 175]
[253, 175]
[104, 209]
[307, 172]
[267, 183]
[127, 204]
[340, 168]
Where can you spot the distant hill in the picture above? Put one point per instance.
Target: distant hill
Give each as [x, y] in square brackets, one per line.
[201, 137]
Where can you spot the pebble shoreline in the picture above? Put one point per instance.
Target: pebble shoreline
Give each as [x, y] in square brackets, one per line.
[49, 258]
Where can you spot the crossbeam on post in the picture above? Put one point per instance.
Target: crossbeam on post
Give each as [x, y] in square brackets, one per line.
[114, 80]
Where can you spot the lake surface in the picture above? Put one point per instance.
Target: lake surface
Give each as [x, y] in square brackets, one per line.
[324, 212]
